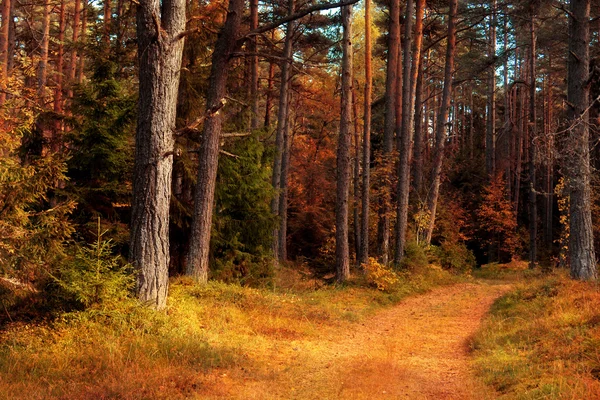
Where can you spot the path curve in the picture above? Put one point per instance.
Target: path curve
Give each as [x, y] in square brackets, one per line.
[418, 349]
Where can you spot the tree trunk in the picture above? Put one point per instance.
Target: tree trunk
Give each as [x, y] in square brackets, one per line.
[383, 236]
[107, 25]
[342, 256]
[356, 176]
[366, 184]
[254, 66]
[42, 76]
[81, 67]
[283, 187]
[4, 54]
[73, 63]
[490, 134]
[268, 101]
[198, 256]
[410, 77]
[419, 136]
[581, 239]
[282, 115]
[159, 53]
[442, 118]
[532, 147]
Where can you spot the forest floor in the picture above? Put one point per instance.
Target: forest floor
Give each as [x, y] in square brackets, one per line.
[418, 349]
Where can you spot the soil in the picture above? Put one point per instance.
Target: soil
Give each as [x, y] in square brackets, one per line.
[418, 349]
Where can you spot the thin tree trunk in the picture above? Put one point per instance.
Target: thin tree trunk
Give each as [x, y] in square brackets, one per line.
[159, 53]
[490, 134]
[419, 136]
[366, 184]
[283, 188]
[4, 54]
[198, 256]
[268, 101]
[81, 68]
[383, 236]
[356, 175]
[342, 252]
[281, 123]
[532, 147]
[73, 63]
[442, 118]
[107, 25]
[42, 76]
[581, 238]
[253, 66]
[410, 77]
[58, 90]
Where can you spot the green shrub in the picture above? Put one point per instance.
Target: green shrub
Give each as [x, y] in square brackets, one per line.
[455, 256]
[94, 276]
[415, 257]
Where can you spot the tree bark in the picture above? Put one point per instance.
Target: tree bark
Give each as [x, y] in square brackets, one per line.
[490, 134]
[198, 256]
[81, 67]
[410, 76]
[282, 116]
[4, 54]
[418, 141]
[532, 145]
[383, 236]
[42, 76]
[283, 187]
[253, 66]
[342, 251]
[159, 54]
[366, 175]
[442, 118]
[73, 62]
[581, 239]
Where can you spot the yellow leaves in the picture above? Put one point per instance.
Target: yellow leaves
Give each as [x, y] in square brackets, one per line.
[380, 275]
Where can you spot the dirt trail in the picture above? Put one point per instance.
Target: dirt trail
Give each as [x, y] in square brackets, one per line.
[415, 350]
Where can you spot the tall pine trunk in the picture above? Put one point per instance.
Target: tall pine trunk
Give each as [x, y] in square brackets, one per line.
[342, 251]
[159, 53]
[198, 256]
[577, 156]
[366, 175]
[442, 118]
[282, 116]
[490, 134]
[532, 145]
[4, 54]
[383, 228]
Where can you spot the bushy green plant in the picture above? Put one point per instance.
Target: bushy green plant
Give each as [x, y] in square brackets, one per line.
[455, 256]
[94, 276]
[415, 257]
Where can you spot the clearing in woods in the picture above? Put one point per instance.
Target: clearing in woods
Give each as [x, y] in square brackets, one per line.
[415, 350]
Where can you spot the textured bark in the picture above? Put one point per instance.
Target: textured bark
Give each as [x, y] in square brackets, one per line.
[356, 177]
[342, 256]
[73, 62]
[442, 118]
[366, 175]
[159, 53]
[490, 133]
[282, 116]
[4, 54]
[107, 25]
[42, 76]
[198, 256]
[269, 98]
[410, 77]
[253, 66]
[581, 239]
[283, 185]
[417, 169]
[532, 146]
[58, 90]
[81, 67]
[391, 85]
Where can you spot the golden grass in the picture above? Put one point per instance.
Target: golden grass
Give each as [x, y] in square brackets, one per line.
[210, 340]
[542, 341]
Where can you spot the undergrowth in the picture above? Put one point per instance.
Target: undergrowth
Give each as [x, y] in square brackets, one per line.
[542, 340]
[130, 352]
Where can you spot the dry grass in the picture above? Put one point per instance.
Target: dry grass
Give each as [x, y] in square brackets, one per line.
[543, 340]
[212, 340]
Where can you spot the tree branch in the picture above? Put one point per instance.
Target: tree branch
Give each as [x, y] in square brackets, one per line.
[298, 15]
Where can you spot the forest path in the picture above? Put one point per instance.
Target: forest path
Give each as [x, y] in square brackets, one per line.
[415, 350]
